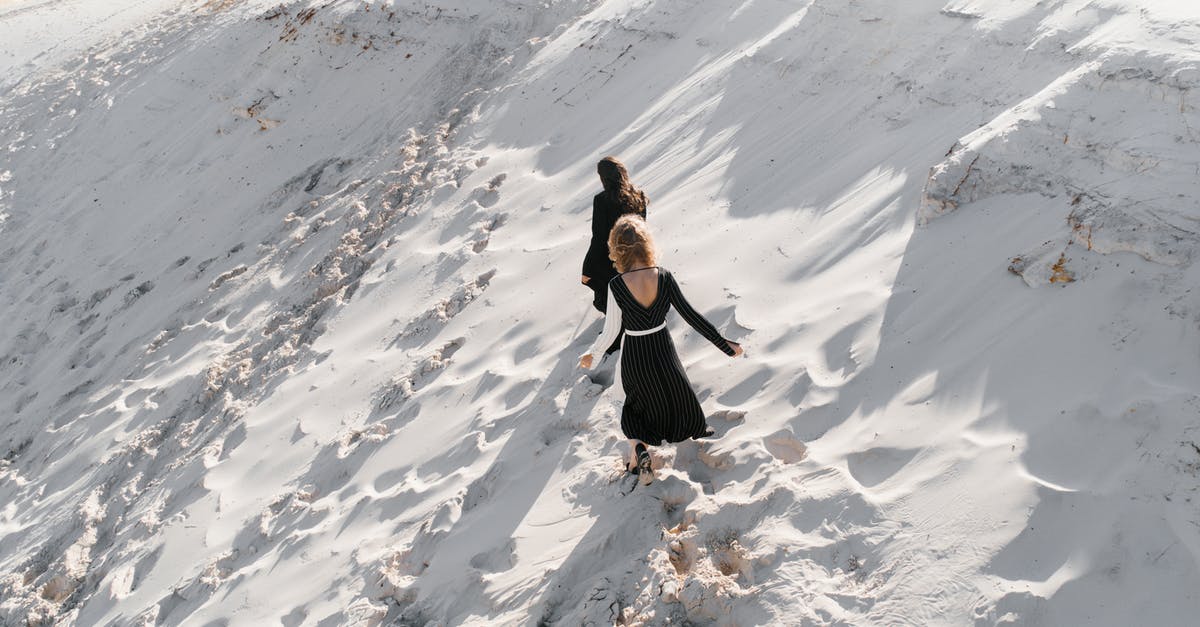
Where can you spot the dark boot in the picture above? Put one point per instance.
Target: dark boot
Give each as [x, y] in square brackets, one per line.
[645, 470]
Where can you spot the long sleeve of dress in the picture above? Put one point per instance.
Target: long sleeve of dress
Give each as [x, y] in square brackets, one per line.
[693, 317]
[612, 326]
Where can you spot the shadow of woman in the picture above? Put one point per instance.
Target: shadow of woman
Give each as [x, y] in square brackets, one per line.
[610, 565]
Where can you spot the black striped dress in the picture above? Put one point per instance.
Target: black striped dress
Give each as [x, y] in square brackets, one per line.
[659, 401]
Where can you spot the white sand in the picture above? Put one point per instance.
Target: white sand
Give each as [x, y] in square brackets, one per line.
[291, 312]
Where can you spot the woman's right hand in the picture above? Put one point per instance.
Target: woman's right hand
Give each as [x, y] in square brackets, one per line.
[737, 348]
[585, 362]
[585, 279]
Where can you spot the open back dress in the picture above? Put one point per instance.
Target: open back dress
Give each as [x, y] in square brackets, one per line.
[659, 401]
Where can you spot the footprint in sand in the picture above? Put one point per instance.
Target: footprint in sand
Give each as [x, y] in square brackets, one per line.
[696, 459]
[351, 439]
[296, 617]
[730, 558]
[724, 420]
[748, 388]
[484, 230]
[709, 569]
[400, 568]
[784, 446]
[497, 560]
[842, 351]
[446, 309]
[63, 304]
[419, 375]
[225, 276]
[125, 580]
[472, 220]
[202, 267]
[23, 401]
[876, 465]
[483, 487]
[75, 392]
[83, 355]
[141, 290]
[488, 195]
[519, 392]
[164, 337]
[97, 297]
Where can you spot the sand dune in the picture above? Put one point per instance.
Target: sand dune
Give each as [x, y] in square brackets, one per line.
[292, 312]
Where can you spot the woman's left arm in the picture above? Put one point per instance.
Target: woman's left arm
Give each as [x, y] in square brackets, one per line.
[596, 259]
[698, 322]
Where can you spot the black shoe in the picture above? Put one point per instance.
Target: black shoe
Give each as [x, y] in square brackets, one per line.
[645, 470]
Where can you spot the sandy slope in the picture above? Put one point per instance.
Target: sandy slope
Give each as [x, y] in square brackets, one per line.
[292, 314]
[39, 34]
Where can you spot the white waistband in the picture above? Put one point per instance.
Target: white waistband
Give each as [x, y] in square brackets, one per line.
[647, 331]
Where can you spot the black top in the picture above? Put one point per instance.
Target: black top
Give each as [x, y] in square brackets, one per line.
[638, 317]
[596, 264]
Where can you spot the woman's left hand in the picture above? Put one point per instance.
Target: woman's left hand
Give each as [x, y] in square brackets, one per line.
[585, 361]
[737, 348]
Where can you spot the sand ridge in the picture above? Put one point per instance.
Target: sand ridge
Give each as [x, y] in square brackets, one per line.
[293, 314]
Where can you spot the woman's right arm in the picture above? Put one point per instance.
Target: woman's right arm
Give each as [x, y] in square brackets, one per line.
[698, 321]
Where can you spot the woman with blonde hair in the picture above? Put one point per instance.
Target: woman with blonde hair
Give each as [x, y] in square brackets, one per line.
[659, 402]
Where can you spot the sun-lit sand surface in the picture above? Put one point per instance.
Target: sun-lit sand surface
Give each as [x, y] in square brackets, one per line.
[291, 312]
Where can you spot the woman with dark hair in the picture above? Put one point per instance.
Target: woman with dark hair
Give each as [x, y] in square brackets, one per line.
[659, 401]
[618, 198]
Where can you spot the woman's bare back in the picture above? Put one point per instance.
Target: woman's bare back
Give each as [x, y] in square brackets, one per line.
[643, 284]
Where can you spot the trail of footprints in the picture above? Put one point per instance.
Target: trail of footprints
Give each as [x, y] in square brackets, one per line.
[389, 404]
[697, 570]
[337, 273]
[205, 426]
[487, 196]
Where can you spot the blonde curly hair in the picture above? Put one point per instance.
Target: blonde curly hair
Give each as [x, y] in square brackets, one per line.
[630, 244]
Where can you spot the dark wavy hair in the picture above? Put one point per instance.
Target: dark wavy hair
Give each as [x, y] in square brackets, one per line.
[616, 183]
